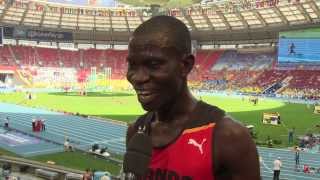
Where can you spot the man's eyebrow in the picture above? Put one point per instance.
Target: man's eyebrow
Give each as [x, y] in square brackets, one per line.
[155, 58]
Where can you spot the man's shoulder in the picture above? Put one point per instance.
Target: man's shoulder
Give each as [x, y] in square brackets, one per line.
[233, 146]
[205, 113]
[228, 129]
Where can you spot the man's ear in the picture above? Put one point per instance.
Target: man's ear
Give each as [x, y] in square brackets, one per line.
[187, 65]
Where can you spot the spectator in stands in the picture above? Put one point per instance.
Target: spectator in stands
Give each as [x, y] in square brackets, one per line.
[159, 61]
[276, 168]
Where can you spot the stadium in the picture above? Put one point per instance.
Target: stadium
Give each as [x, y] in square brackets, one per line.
[63, 79]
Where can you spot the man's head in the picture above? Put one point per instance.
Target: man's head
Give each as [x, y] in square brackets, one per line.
[164, 32]
[159, 61]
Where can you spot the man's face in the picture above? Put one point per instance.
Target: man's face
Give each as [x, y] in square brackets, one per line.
[155, 73]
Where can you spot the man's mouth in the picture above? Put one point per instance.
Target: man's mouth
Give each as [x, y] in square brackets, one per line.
[145, 96]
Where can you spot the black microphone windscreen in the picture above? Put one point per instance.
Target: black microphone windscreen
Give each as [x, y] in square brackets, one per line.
[138, 155]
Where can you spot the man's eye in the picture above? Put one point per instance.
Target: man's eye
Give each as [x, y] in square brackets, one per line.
[154, 64]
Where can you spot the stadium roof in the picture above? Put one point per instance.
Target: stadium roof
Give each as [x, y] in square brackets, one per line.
[219, 21]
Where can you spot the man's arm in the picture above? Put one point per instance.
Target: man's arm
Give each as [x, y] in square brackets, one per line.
[235, 154]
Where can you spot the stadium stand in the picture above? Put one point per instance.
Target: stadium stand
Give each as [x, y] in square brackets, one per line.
[5, 56]
[248, 72]
[209, 65]
[242, 60]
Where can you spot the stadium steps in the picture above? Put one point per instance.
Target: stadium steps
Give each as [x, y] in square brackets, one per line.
[20, 78]
[12, 54]
[211, 59]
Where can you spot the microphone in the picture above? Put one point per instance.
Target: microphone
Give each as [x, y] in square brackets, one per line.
[138, 155]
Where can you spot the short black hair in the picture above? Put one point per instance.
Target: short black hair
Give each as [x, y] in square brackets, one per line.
[172, 32]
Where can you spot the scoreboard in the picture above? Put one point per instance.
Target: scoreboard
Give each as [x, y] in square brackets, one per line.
[299, 46]
[271, 118]
[317, 109]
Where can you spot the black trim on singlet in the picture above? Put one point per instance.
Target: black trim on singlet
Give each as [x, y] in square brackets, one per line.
[202, 115]
[144, 121]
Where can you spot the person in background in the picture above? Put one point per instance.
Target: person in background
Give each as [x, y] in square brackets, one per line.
[33, 124]
[297, 157]
[306, 169]
[29, 96]
[6, 122]
[105, 177]
[87, 175]
[43, 125]
[276, 168]
[291, 135]
[67, 145]
[292, 49]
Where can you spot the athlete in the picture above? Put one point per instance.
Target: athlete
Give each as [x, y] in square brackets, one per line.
[190, 138]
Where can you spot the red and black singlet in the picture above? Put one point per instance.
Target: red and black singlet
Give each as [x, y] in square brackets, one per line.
[190, 156]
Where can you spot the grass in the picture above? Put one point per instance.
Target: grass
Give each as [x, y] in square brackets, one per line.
[298, 116]
[75, 160]
[123, 106]
[111, 105]
[7, 153]
[79, 160]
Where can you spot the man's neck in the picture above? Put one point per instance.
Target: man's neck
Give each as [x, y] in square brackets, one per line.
[179, 109]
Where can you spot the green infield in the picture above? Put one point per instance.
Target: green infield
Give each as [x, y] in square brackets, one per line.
[123, 106]
[81, 161]
[75, 160]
